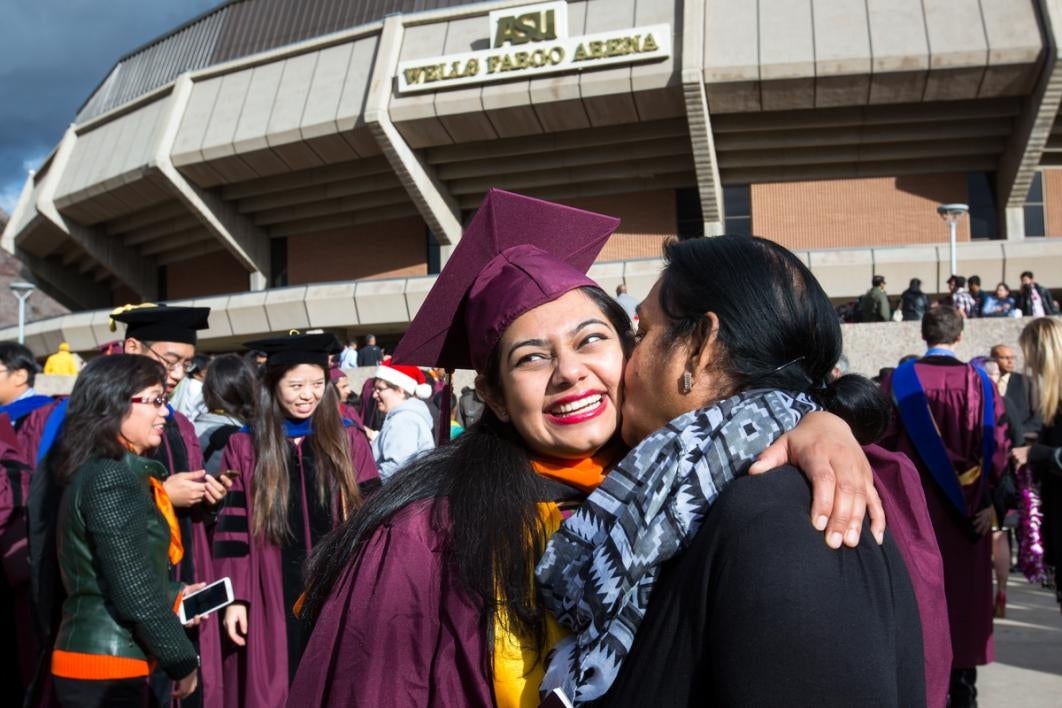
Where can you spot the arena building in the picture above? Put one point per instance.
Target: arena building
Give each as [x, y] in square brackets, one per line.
[311, 163]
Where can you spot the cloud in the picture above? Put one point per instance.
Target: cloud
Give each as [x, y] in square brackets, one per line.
[11, 190]
[53, 53]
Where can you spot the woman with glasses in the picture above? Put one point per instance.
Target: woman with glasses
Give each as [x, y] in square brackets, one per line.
[117, 538]
[167, 335]
[406, 431]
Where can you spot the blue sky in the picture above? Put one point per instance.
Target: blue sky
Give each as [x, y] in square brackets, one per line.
[53, 53]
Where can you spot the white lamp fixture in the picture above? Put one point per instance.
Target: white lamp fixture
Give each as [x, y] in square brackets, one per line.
[22, 291]
[951, 213]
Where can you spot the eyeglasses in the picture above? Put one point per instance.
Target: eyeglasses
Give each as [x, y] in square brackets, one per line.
[157, 401]
[171, 366]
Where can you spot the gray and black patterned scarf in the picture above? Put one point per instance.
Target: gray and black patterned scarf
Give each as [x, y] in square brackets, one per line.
[599, 569]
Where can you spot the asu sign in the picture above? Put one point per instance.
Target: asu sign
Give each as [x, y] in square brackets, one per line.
[532, 41]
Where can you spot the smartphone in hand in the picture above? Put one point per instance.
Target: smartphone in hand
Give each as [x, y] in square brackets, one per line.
[205, 600]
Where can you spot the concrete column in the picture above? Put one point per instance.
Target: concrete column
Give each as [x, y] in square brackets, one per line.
[1014, 223]
[257, 281]
[236, 232]
[438, 209]
[1025, 148]
[709, 186]
[444, 254]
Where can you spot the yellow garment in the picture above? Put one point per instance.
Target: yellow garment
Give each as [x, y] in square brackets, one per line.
[62, 362]
[517, 670]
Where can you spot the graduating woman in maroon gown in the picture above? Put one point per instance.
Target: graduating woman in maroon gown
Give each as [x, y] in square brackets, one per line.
[298, 470]
[425, 596]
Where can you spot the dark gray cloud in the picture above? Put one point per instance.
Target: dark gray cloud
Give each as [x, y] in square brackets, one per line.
[53, 53]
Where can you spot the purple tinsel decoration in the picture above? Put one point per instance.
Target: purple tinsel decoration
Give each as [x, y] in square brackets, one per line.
[1030, 541]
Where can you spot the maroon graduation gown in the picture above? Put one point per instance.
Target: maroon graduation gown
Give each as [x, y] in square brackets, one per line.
[897, 481]
[397, 630]
[954, 392]
[201, 570]
[14, 595]
[32, 430]
[19, 452]
[8, 453]
[264, 575]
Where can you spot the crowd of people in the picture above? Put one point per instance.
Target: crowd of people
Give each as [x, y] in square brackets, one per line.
[964, 294]
[677, 501]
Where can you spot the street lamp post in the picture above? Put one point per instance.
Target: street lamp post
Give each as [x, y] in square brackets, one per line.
[22, 291]
[951, 213]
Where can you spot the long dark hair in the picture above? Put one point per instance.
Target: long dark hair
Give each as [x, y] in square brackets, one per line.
[98, 404]
[231, 387]
[486, 478]
[777, 327]
[331, 447]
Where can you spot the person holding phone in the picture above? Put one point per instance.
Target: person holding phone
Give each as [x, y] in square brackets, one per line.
[167, 335]
[117, 538]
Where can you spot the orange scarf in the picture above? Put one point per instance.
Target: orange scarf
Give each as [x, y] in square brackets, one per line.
[162, 501]
[585, 474]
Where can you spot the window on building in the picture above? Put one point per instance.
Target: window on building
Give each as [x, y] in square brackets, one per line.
[1035, 224]
[434, 253]
[689, 219]
[981, 198]
[737, 205]
[278, 262]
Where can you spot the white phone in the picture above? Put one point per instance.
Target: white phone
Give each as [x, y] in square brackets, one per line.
[205, 600]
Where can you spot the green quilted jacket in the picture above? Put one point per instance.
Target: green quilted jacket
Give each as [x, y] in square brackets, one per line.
[112, 547]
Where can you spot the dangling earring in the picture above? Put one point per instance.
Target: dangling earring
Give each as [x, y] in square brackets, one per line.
[687, 381]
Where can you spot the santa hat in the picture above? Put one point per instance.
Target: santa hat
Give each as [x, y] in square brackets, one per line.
[408, 378]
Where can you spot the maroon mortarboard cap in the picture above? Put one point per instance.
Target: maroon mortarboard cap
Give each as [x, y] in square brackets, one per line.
[296, 348]
[161, 323]
[516, 254]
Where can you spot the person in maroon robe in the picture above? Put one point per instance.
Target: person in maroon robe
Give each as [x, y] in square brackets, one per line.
[954, 393]
[424, 598]
[18, 401]
[167, 335]
[300, 469]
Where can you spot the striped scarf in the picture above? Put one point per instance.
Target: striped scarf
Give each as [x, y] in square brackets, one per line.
[599, 569]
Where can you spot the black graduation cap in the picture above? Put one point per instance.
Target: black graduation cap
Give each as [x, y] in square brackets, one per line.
[161, 323]
[295, 348]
